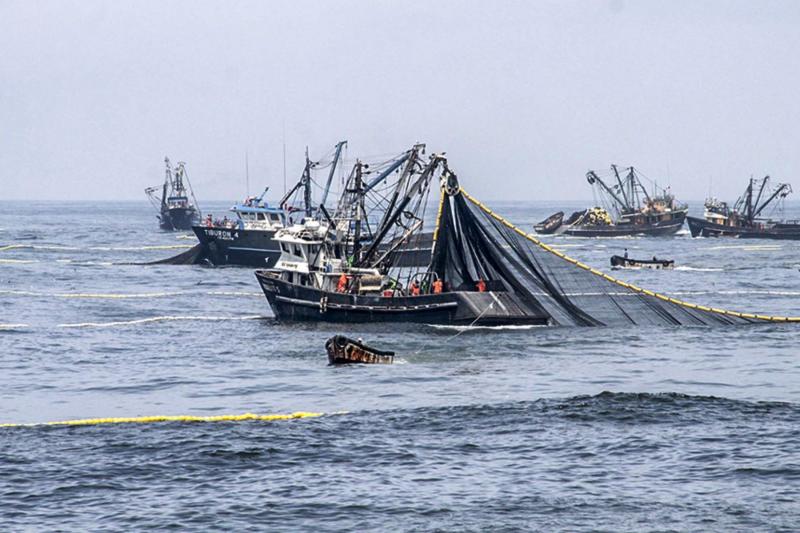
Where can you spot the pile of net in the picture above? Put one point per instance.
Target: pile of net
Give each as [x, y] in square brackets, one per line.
[472, 243]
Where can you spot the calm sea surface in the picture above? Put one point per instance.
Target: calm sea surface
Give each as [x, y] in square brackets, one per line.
[685, 429]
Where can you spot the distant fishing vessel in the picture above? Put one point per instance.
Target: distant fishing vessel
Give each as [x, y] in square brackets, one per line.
[637, 212]
[743, 220]
[177, 207]
[248, 239]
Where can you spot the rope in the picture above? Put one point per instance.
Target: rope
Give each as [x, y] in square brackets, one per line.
[621, 283]
[178, 418]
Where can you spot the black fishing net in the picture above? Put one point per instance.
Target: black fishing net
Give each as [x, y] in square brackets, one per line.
[473, 244]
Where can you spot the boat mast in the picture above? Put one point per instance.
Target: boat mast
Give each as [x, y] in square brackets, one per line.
[359, 191]
[306, 180]
[783, 190]
[760, 192]
[336, 155]
[412, 190]
[621, 186]
[593, 178]
[167, 183]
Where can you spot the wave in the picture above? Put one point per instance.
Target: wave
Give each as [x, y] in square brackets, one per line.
[746, 247]
[484, 328]
[18, 261]
[166, 318]
[58, 248]
[123, 296]
[6, 327]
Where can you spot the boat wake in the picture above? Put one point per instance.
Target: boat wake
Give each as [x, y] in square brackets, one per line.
[167, 318]
[747, 247]
[698, 269]
[507, 327]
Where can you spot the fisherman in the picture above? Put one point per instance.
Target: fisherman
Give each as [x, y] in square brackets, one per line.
[414, 288]
[341, 286]
[437, 286]
[209, 221]
[225, 221]
[626, 253]
[481, 285]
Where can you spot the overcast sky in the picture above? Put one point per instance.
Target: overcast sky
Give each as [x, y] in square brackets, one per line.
[524, 97]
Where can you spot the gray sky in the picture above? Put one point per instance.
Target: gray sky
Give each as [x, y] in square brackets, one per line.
[523, 96]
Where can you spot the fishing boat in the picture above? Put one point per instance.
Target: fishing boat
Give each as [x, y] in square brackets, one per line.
[338, 271]
[247, 239]
[176, 206]
[630, 210]
[342, 350]
[745, 219]
[619, 261]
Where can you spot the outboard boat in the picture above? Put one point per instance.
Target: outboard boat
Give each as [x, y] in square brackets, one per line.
[618, 261]
[342, 350]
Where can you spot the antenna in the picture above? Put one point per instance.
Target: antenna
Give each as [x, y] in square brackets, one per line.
[284, 156]
[247, 174]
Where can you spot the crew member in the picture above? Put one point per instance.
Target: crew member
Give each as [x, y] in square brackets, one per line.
[437, 286]
[209, 221]
[414, 288]
[481, 285]
[341, 286]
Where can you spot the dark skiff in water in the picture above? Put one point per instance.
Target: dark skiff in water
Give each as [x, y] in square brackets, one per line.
[342, 350]
[550, 225]
[618, 261]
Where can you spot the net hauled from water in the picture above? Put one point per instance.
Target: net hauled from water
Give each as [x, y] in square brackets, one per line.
[473, 243]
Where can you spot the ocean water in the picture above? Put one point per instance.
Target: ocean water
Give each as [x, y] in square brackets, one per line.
[553, 429]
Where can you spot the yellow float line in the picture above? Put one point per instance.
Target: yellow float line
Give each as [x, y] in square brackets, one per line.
[178, 418]
[620, 282]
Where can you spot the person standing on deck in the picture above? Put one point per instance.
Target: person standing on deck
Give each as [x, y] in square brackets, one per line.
[341, 286]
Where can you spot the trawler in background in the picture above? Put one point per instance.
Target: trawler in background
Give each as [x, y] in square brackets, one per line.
[636, 212]
[248, 239]
[177, 207]
[744, 219]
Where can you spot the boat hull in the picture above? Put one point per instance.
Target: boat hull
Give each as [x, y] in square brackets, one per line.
[653, 264]
[344, 351]
[655, 229]
[292, 302]
[703, 228]
[233, 246]
[178, 218]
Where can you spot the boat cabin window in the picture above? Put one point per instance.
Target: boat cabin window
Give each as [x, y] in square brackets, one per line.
[297, 251]
[285, 247]
[274, 217]
[261, 216]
